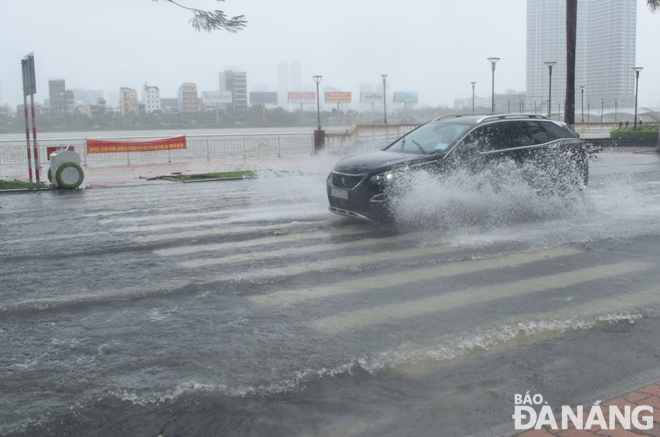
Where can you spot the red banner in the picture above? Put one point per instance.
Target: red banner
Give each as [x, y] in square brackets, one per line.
[97, 146]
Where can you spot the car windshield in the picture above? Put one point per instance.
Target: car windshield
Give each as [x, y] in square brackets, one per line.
[430, 138]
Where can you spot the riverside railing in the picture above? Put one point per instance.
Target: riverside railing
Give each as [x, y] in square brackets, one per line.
[198, 147]
[13, 153]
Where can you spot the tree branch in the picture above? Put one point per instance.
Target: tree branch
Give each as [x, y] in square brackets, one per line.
[654, 5]
[213, 20]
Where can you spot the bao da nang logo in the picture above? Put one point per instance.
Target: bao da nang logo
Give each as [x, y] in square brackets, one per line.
[526, 415]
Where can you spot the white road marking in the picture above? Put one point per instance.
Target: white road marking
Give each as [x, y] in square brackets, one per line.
[344, 262]
[307, 250]
[417, 275]
[221, 232]
[234, 245]
[386, 313]
[252, 214]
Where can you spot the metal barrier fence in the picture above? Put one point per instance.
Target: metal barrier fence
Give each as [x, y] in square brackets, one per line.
[13, 153]
[198, 147]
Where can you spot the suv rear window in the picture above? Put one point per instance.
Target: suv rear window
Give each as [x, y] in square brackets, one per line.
[528, 133]
[556, 131]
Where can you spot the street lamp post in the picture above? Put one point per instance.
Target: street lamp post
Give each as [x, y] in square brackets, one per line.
[602, 106]
[582, 91]
[384, 76]
[473, 84]
[616, 105]
[636, 70]
[549, 64]
[319, 135]
[317, 81]
[493, 61]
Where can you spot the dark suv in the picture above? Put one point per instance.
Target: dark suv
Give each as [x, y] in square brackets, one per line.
[358, 185]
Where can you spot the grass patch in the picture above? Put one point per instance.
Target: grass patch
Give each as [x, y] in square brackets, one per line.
[15, 185]
[245, 174]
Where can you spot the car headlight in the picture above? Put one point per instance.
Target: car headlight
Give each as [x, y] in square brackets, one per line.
[386, 177]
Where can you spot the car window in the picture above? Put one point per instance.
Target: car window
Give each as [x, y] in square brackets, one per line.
[430, 138]
[556, 131]
[528, 133]
[490, 137]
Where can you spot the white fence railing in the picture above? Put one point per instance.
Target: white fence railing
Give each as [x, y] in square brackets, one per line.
[198, 147]
[13, 153]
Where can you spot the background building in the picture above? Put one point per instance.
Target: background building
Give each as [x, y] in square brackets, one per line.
[151, 98]
[289, 78]
[236, 82]
[605, 53]
[169, 105]
[296, 76]
[128, 100]
[99, 108]
[87, 97]
[188, 100]
[57, 98]
[5, 112]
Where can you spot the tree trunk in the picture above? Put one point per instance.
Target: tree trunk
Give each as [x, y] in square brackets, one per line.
[571, 37]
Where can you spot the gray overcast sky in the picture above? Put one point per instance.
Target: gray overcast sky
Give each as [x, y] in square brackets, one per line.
[433, 47]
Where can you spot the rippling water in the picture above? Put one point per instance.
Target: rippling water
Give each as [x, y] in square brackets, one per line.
[245, 308]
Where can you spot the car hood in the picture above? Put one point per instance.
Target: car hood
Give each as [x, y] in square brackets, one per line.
[379, 160]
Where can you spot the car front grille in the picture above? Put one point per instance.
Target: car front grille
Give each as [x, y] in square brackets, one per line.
[346, 181]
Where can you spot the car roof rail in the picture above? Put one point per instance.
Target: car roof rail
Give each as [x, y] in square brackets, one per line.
[491, 117]
[512, 116]
[446, 117]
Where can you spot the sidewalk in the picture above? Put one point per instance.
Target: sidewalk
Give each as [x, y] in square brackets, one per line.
[145, 174]
[140, 174]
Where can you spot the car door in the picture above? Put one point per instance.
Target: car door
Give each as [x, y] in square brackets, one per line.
[538, 152]
[531, 141]
[485, 145]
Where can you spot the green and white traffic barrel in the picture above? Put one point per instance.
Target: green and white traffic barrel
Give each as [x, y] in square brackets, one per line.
[65, 170]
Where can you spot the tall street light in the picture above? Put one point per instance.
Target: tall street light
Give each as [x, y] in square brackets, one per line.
[319, 135]
[616, 106]
[636, 70]
[602, 106]
[473, 84]
[384, 76]
[582, 91]
[493, 61]
[317, 80]
[549, 64]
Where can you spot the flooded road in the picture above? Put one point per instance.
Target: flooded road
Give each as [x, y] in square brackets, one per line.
[244, 308]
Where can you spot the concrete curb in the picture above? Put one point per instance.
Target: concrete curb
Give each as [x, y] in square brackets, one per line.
[24, 190]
